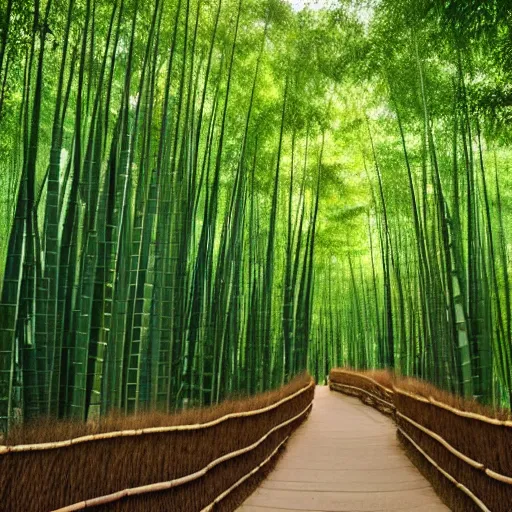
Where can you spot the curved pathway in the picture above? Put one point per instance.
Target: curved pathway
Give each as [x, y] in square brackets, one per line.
[344, 458]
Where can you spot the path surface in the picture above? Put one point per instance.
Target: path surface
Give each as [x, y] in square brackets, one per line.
[344, 458]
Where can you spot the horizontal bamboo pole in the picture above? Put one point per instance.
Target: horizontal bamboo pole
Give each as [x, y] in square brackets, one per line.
[152, 430]
[468, 460]
[462, 487]
[411, 395]
[458, 412]
[219, 498]
[433, 401]
[163, 486]
[446, 444]
[334, 385]
[361, 376]
[477, 465]
[497, 476]
[472, 415]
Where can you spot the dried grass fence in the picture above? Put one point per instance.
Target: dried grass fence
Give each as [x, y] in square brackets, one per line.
[465, 451]
[208, 465]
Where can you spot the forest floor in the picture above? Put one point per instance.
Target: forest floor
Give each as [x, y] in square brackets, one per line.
[345, 457]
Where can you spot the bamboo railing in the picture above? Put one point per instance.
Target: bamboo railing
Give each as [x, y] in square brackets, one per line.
[362, 391]
[4, 449]
[261, 449]
[163, 486]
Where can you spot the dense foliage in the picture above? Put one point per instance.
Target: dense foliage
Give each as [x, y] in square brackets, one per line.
[203, 197]
[426, 289]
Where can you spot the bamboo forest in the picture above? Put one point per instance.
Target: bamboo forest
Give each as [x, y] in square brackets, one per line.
[202, 199]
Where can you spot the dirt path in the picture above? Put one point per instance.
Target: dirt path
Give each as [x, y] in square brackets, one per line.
[344, 458]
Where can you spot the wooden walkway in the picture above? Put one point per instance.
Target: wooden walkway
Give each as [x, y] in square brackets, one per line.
[344, 458]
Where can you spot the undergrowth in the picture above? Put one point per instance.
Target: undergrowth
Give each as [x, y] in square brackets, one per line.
[45, 430]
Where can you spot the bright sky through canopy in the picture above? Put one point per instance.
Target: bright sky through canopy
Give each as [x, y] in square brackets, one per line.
[298, 5]
[363, 11]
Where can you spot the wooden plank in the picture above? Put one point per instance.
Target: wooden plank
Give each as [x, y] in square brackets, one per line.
[345, 457]
[348, 485]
